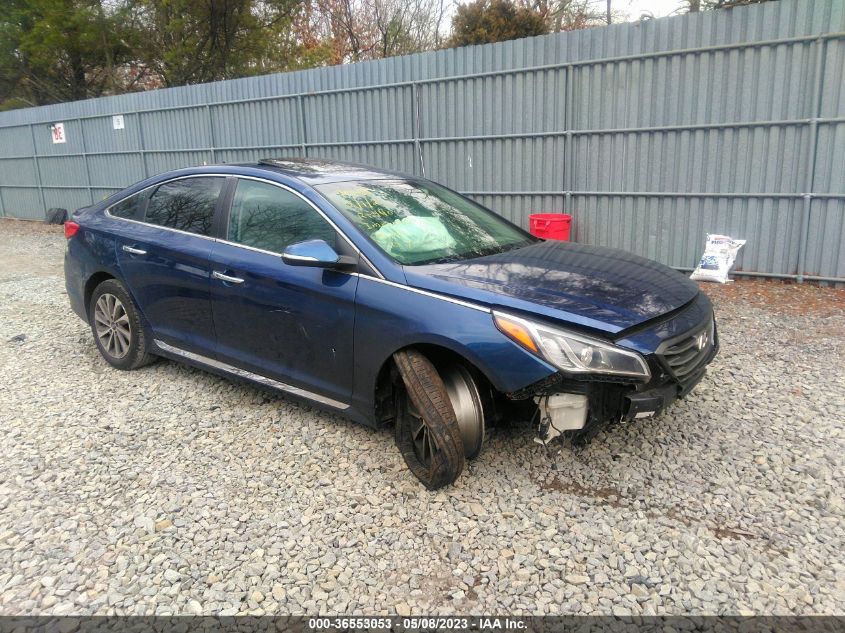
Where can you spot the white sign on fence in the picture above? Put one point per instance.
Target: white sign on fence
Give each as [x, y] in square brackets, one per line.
[117, 121]
[58, 130]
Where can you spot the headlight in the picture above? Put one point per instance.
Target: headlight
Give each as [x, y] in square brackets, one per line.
[570, 352]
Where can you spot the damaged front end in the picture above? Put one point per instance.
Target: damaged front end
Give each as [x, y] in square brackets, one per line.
[579, 406]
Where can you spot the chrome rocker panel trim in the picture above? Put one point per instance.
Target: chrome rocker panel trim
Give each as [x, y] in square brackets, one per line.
[248, 375]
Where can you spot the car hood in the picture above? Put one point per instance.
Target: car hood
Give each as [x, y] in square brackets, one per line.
[600, 288]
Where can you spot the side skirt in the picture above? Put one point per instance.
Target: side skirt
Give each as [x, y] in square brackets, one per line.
[247, 375]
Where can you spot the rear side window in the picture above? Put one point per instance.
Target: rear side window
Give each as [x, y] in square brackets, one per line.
[186, 205]
[129, 208]
[271, 218]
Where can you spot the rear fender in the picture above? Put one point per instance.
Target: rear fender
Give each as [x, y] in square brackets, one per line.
[92, 255]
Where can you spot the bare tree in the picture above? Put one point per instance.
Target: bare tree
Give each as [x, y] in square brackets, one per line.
[373, 29]
[694, 6]
[569, 15]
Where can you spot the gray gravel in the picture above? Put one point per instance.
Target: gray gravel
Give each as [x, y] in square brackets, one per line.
[168, 490]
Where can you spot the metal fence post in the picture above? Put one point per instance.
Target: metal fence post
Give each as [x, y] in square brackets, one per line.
[211, 132]
[143, 150]
[2, 207]
[303, 134]
[668, 136]
[568, 141]
[37, 169]
[415, 93]
[85, 158]
[809, 176]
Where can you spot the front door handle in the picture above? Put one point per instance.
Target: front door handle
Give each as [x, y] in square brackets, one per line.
[227, 278]
[134, 251]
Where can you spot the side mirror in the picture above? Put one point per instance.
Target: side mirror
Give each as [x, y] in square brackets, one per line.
[316, 253]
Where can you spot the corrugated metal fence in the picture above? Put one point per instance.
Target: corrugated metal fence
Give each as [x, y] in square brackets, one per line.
[650, 134]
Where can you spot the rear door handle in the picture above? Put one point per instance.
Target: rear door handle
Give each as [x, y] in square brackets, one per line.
[227, 278]
[134, 251]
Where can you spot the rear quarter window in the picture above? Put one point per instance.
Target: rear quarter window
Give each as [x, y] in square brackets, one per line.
[187, 204]
[131, 208]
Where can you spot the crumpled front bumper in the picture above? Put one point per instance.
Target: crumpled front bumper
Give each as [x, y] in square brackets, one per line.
[652, 402]
[612, 400]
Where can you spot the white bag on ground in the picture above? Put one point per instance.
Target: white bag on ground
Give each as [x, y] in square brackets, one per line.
[720, 251]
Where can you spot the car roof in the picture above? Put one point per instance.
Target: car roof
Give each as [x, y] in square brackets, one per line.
[313, 171]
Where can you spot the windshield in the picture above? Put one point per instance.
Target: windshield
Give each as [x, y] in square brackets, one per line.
[422, 223]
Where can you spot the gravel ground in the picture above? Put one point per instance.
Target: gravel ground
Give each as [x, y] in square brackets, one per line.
[168, 490]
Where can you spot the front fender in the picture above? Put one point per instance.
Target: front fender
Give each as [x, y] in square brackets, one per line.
[390, 317]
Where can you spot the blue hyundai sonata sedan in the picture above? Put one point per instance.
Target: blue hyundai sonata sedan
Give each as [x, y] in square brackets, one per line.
[388, 298]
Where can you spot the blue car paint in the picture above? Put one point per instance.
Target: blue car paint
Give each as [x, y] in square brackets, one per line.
[92, 253]
[170, 282]
[348, 326]
[647, 340]
[390, 317]
[603, 289]
[291, 323]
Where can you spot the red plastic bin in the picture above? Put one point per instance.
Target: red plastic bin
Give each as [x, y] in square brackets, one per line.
[550, 226]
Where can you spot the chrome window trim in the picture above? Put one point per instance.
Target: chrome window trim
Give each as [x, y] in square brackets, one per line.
[380, 279]
[248, 247]
[158, 184]
[345, 237]
[108, 214]
[164, 228]
[427, 293]
[242, 373]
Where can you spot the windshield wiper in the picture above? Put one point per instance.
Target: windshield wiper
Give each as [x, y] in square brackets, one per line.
[440, 260]
[501, 249]
[449, 259]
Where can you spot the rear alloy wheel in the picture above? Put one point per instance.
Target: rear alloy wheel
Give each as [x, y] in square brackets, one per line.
[427, 431]
[111, 325]
[117, 327]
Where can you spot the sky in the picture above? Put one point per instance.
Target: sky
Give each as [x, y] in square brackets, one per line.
[636, 8]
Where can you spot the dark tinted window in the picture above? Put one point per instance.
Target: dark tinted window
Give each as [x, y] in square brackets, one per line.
[129, 208]
[271, 218]
[187, 204]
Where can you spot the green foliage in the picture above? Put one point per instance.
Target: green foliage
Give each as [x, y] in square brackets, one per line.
[188, 42]
[485, 21]
[59, 50]
[63, 50]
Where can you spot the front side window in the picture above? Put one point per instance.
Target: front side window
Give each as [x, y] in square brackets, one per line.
[271, 218]
[129, 208]
[186, 204]
[423, 223]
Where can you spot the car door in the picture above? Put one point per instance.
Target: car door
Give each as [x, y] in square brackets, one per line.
[164, 260]
[293, 324]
